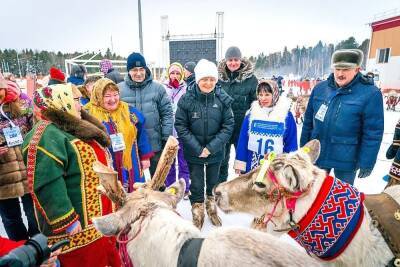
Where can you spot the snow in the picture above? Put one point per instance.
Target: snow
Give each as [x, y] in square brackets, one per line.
[371, 184]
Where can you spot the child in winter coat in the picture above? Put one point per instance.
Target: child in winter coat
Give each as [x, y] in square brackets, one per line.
[176, 88]
[268, 126]
[204, 122]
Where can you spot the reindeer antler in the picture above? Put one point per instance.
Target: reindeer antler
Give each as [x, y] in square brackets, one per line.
[164, 164]
[110, 186]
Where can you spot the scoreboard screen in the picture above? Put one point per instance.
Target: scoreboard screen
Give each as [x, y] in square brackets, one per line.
[193, 50]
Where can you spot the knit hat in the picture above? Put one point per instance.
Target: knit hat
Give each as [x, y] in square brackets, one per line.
[274, 88]
[78, 71]
[56, 74]
[105, 66]
[394, 147]
[347, 58]
[205, 68]
[233, 52]
[135, 60]
[189, 66]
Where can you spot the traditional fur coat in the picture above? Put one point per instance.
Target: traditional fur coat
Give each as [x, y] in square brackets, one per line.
[59, 154]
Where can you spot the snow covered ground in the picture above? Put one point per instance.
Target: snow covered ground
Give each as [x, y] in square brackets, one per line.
[372, 184]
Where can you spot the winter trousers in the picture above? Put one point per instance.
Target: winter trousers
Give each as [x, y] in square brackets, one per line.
[10, 211]
[197, 180]
[154, 161]
[183, 170]
[345, 176]
[223, 175]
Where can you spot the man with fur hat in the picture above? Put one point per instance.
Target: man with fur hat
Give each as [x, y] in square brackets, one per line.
[236, 77]
[345, 113]
[150, 98]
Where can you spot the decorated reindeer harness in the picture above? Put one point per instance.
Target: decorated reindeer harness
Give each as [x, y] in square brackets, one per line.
[334, 217]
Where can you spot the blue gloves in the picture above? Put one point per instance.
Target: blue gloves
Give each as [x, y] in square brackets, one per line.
[363, 173]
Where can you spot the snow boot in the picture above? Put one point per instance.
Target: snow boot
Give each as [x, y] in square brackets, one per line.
[211, 209]
[198, 214]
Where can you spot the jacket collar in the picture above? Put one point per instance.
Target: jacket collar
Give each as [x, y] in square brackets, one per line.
[245, 71]
[86, 129]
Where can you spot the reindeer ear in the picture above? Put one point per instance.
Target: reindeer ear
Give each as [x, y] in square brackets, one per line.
[312, 149]
[107, 225]
[291, 178]
[176, 190]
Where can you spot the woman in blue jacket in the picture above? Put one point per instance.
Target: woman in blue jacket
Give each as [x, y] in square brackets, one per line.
[268, 126]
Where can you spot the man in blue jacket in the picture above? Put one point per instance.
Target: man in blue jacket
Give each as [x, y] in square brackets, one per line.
[345, 113]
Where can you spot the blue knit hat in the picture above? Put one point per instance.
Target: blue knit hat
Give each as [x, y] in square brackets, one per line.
[135, 60]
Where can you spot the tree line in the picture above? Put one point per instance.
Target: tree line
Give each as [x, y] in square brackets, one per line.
[306, 62]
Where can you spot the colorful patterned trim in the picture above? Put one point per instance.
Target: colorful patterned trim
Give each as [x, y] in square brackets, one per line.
[64, 222]
[31, 163]
[78, 240]
[332, 221]
[91, 201]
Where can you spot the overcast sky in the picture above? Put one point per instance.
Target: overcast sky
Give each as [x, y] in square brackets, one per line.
[254, 26]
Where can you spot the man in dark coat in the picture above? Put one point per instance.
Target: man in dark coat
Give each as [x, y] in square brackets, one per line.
[345, 113]
[150, 98]
[236, 77]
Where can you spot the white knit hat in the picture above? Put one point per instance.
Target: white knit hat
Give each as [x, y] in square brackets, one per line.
[205, 68]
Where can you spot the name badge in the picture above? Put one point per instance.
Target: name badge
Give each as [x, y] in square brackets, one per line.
[321, 112]
[117, 142]
[13, 136]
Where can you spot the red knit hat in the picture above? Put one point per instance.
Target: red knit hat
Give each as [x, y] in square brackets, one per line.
[56, 74]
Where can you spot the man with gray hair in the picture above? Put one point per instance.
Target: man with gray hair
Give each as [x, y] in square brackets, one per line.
[345, 113]
[236, 77]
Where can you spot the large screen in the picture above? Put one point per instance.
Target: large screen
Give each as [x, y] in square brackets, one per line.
[194, 50]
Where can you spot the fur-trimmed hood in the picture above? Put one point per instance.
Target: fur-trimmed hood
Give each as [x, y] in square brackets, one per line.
[246, 71]
[277, 113]
[86, 129]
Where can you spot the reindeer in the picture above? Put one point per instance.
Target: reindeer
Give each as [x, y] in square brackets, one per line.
[159, 236]
[286, 197]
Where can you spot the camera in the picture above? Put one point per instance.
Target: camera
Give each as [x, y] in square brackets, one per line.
[33, 253]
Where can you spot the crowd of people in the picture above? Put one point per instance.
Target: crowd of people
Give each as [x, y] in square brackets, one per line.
[50, 142]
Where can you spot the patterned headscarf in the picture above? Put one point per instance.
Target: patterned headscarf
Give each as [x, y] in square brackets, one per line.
[59, 96]
[274, 87]
[105, 66]
[120, 117]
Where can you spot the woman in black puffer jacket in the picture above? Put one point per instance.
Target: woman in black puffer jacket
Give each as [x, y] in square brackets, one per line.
[204, 123]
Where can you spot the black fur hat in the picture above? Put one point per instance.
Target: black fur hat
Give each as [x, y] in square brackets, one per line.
[347, 58]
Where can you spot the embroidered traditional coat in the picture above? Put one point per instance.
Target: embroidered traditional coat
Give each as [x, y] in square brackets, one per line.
[59, 156]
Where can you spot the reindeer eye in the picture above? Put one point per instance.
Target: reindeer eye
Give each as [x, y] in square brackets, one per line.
[277, 165]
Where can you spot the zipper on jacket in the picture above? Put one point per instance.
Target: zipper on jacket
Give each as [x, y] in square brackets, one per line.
[206, 120]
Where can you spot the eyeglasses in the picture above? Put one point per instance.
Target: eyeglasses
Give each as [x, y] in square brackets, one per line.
[175, 72]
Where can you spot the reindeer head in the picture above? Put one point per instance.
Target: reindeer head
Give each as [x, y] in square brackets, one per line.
[293, 172]
[138, 204]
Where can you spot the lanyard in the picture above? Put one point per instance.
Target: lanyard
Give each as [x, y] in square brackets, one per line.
[5, 116]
